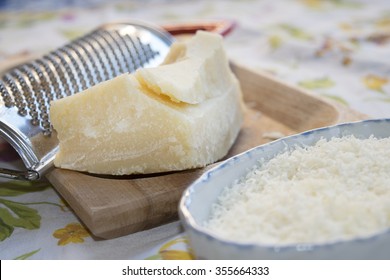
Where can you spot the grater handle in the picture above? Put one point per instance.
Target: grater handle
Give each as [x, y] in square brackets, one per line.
[29, 175]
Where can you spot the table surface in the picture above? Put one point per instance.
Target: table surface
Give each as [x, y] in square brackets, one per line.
[336, 48]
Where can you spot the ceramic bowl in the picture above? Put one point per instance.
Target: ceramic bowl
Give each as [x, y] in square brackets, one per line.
[196, 202]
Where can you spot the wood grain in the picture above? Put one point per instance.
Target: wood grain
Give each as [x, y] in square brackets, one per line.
[116, 206]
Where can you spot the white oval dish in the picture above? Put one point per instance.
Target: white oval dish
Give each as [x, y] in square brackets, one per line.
[196, 202]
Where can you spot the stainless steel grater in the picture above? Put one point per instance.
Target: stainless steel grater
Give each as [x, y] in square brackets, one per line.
[27, 89]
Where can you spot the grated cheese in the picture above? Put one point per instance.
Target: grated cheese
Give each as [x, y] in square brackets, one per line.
[335, 190]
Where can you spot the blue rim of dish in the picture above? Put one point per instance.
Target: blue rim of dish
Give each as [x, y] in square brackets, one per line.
[189, 221]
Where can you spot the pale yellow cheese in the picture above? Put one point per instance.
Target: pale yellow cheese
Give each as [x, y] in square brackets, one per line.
[130, 125]
[200, 67]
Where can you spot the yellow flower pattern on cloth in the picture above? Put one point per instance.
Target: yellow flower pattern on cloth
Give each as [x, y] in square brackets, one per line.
[170, 251]
[71, 233]
[375, 82]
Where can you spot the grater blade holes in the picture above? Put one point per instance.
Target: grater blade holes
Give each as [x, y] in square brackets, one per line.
[98, 56]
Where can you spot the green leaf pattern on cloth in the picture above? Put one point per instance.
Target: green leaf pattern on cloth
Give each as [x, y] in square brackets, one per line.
[320, 83]
[16, 188]
[17, 214]
[336, 98]
[27, 255]
[5, 230]
[296, 32]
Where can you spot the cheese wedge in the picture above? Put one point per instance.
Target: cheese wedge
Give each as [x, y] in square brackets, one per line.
[183, 114]
[200, 67]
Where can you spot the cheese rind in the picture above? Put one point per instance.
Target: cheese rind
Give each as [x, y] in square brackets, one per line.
[123, 126]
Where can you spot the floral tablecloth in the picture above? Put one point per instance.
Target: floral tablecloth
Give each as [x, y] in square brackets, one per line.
[339, 49]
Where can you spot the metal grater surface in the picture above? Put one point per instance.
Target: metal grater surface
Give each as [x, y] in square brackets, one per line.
[27, 89]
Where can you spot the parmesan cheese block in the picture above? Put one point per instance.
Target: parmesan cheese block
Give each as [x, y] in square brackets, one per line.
[176, 116]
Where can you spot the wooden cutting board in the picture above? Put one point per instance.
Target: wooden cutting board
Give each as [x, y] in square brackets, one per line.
[116, 206]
